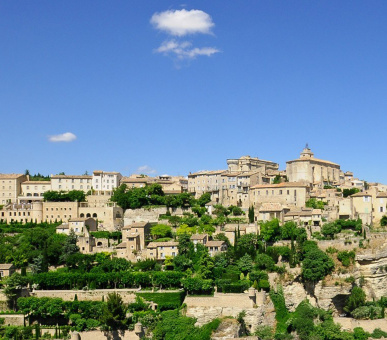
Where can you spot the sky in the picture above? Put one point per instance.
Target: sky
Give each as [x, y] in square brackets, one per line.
[165, 87]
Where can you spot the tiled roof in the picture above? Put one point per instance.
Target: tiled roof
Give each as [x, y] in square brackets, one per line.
[280, 185]
[198, 236]
[6, 266]
[10, 176]
[215, 243]
[72, 176]
[162, 244]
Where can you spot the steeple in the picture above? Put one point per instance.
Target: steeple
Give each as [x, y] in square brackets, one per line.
[306, 153]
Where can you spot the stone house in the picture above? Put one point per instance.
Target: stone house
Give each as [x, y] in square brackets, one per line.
[199, 239]
[161, 250]
[6, 269]
[71, 182]
[288, 193]
[10, 187]
[215, 247]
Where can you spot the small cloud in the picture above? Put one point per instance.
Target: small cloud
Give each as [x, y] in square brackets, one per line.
[146, 170]
[184, 50]
[183, 22]
[64, 137]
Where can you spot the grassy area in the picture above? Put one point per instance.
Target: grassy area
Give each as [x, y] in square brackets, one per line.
[164, 300]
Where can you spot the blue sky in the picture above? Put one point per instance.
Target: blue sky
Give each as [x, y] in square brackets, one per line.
[172, 88]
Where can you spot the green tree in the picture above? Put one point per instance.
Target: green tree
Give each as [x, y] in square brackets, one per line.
[355, 300]
[270, 230]
[114, 313]
[70, 246]
[12, 288]
[350, 192]
[161, 231]
[245, 264]
[316, 265]
[251, 214]
[330, 229]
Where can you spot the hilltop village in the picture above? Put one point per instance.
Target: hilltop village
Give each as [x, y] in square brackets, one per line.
[247, 251]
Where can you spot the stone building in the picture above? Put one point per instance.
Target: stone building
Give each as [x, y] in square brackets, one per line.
[22, 212]
[104, 182]
[215, 247]
[231, 186]
[161, 250]
[10, 187]
[310, 170]
[6, 269]
[287, 193]
[142, 229]
[71, 182]
[32, 191]
[60, 211]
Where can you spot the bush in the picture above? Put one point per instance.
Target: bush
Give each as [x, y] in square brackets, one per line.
[346, 257]
[236, 287]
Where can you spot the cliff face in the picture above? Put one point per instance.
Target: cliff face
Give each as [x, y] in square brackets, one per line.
[372, 267]
[257, 311]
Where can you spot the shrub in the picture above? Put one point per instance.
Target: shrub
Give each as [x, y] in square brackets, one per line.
[346, 257]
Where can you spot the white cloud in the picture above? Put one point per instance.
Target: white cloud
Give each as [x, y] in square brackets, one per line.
[64, 137]
[146, 170]
[184, 50]
[182, 22]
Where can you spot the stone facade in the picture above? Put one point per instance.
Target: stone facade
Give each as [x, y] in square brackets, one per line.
[310, 170]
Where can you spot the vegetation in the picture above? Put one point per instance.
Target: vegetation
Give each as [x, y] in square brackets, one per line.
[349, 192]
[64, 196]
[153, 195]
[315, 204]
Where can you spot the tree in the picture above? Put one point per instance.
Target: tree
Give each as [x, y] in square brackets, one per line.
[161, 231]
[330, 229]
[316, 265]
[12, 288]
[383, 221]
[70, 246]
[236, 211]
[245, 264]
[270, 230]
[355, 300]
[350, 192]
[114, 313]
[251, 214]
[315, 204]
[204, 199]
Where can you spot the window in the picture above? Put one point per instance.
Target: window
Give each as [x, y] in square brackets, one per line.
[287, 192]
[366, 198]
[280, 192]
[381, 209]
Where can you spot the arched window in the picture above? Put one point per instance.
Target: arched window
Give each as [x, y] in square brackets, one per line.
[88, 215]
[82, 215]
[94, 215]
[99, 244]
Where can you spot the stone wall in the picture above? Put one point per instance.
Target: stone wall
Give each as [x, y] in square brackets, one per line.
[206, 309]
[128, 295]
[150, 215]
[13, 319]
[368, 325]
[100, 335]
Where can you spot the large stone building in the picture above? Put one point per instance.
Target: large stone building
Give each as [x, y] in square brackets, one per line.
[232, 186]
[71, 182]
[170, 184]
[292, 194]
[10, 187]
[314, 171]
[105, 182]
[32, 191]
